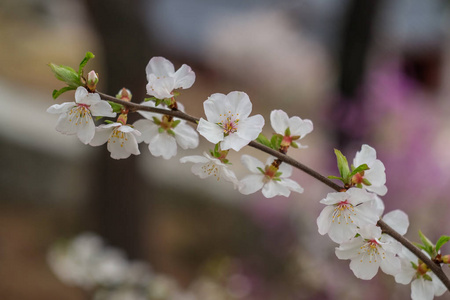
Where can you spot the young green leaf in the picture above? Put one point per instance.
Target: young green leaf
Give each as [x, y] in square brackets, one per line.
[117, 108]
[57, 93]
[342, 162]
[427, 243]
[83, 63]
[66, 74]
[276, 141]
[262, 139]
[442, 240]
[361, 168]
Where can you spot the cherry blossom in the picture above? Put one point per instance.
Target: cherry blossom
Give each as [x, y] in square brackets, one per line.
[162, 78]
[273, 181]
[121, 139]
[291, 129]
[346, 211]
[76, 117]
[228, 120]
[206, 166]
[376, 175]
[163, 133]
[369, 251]
[424, 283]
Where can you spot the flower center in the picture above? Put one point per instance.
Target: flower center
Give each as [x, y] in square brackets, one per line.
[343, 213]
[372, 250]
[229, 123]
[118, 137]
[211, 169]
[79, 113]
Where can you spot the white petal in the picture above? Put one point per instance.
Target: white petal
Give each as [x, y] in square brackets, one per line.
[324, 220]
[61, 108]
[102, 135]
[250, 128]
[86, 130]
[160, 66]
[215, 107]
[398, 220]
[349, 249]
[147, 128]
[422, 289]
[364, 267]
[370, 231]
[334, 198]
[279, 121]
[438, 286]
[117, 148]
[233, 141]
[194, 159]
[160, 88]
[163, 145]
[147, 114]
[252, 164]
[390, 264]
[240, 104]
[184, 77]
[300, 127]
[379, 190]
[210, 131]
[251, 184]
[90, 99]
[340, 232]
[366, 156]
[80, 94]
[291, 185]
[273, 188]
[186, 136]
[285, 169]
[131, 144]
[102, 108]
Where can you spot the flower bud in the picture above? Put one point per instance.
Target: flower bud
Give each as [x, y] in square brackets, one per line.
[122, 119]
[92, 80]
[446, 259]
[124, 94]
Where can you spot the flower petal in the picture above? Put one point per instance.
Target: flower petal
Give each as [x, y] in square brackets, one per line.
[102, 108]
[186, 136]
[252, 164]
[160, 66]
[240, 104]
[163, 145]
[215, 107]
[210, 131]
[422, 289]
[184, 77]
[86, 130]
[364, 267]
[147, 128]
[250, 128]
[251, 184]
[279, 121]
[101, 136]
[61, 108]
[398, 220]
[367, 155]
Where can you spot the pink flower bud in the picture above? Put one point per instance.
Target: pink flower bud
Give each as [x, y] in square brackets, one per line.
[92, 80]
[124, 94]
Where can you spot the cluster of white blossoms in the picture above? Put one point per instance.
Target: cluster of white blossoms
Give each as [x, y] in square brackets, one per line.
[228, 125]
[351, 217]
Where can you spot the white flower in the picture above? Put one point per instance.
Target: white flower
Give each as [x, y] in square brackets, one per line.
[369, 251]
[206, 166]
[163, 133]
[228, 120]
[162, 78]
[272, 181]
[375, 175]
[121, 139]
[421, 288]
[291, 129]
[346, 211]
[86, 262]
[76, 117]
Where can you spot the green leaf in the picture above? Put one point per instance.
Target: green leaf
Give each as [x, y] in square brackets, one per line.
[175, 123]
[335, 177]
[441, 241]
[342, 165]
[294, 145]
[361, 168]
[83, 63]
[428, 245]
[150, 99]
[262, 139]
[66, 74]
[117, 108]
[287, 132]
[109, 121]
[57, 93]
[276, 141]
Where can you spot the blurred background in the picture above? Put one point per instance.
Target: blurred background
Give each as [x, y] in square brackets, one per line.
[365, 72]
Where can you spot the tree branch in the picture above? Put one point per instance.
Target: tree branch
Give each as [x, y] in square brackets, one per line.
[436, 269]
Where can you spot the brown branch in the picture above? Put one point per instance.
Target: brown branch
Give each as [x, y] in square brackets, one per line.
[436, 269]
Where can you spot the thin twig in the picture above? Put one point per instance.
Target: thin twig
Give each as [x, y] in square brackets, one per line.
[435, 268]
